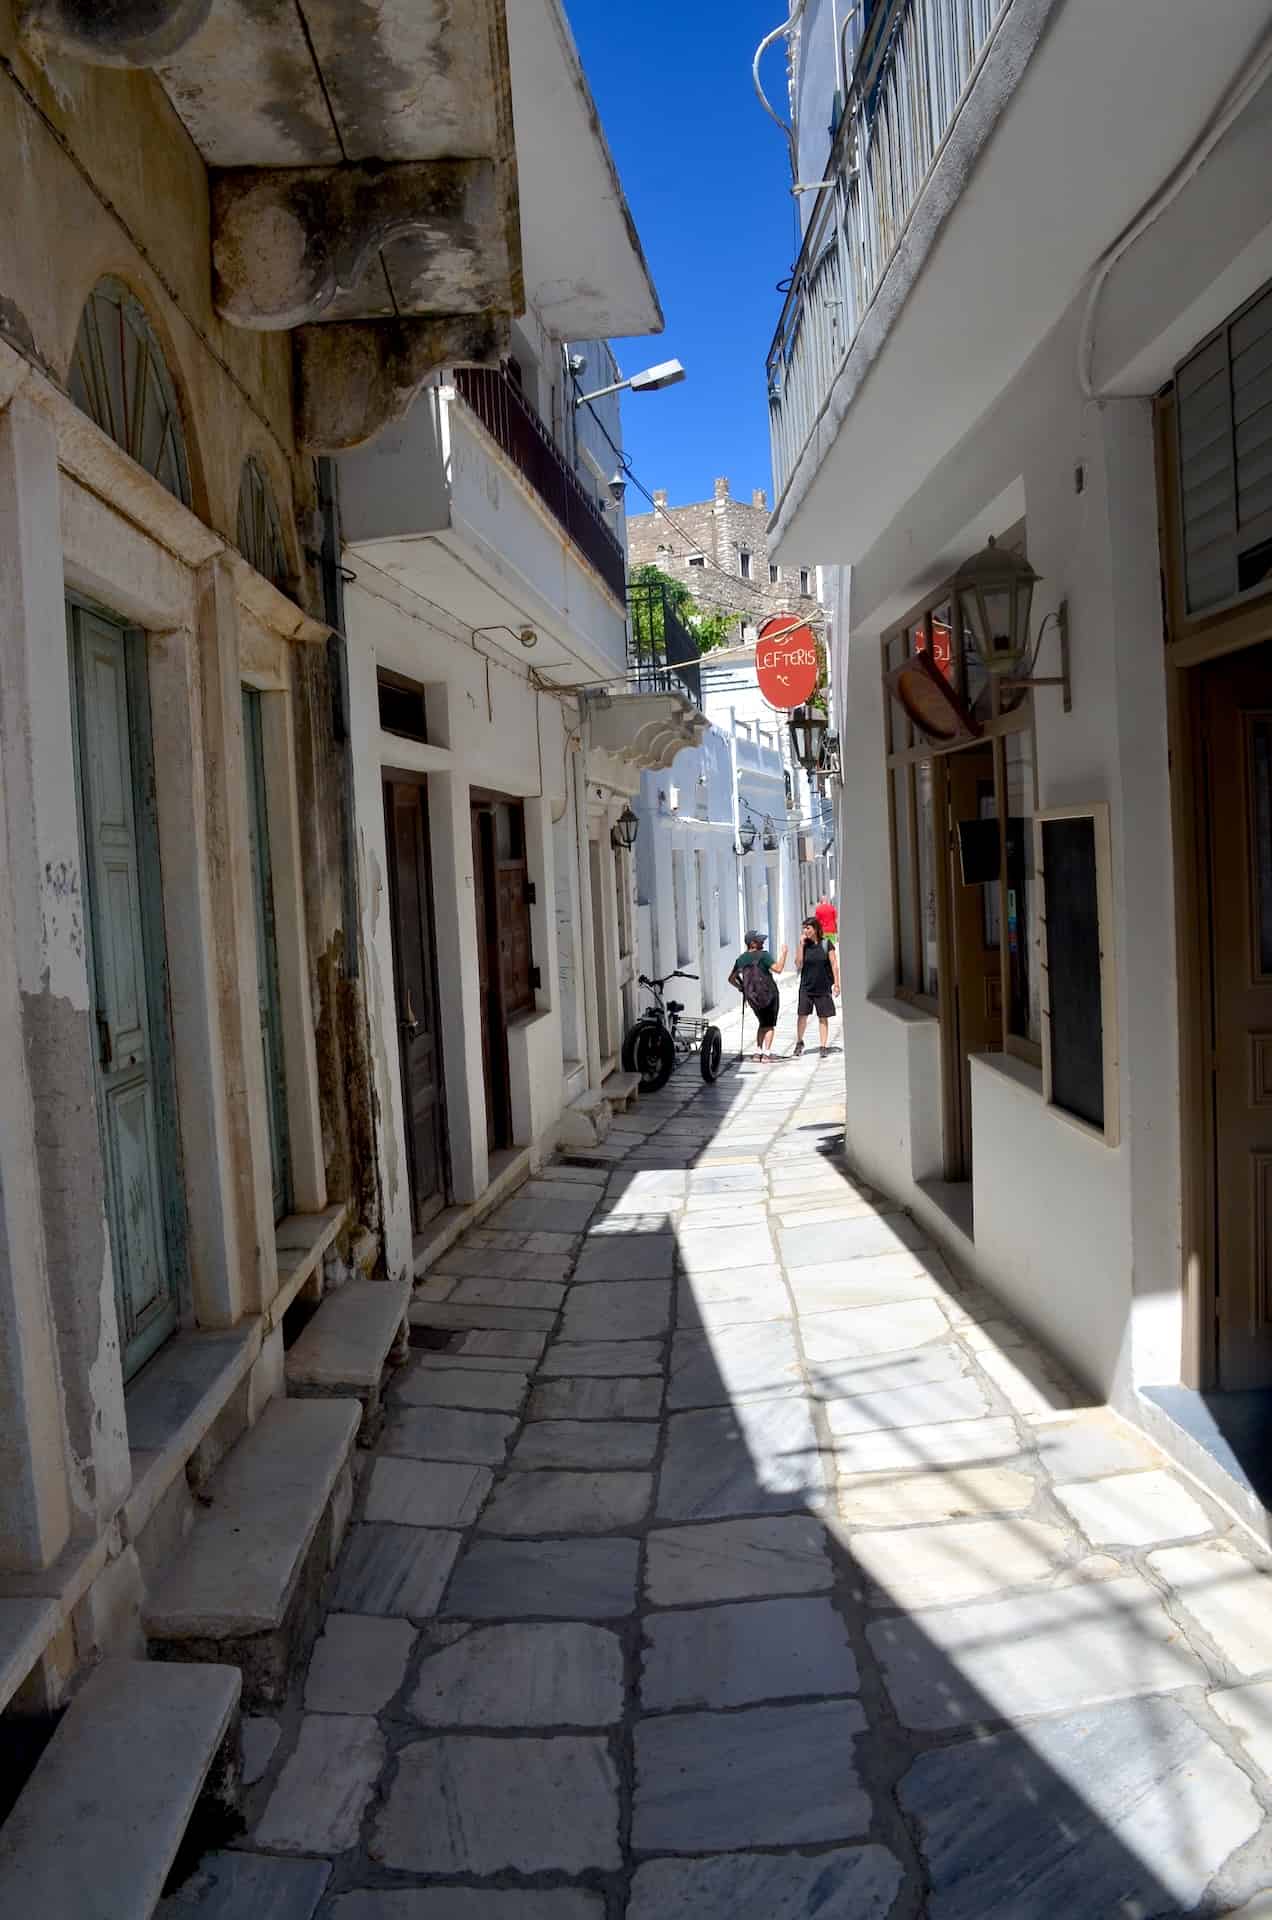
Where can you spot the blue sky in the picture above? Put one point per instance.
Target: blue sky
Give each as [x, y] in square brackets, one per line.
[707, 179]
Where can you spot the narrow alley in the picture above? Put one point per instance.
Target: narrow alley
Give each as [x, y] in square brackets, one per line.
[724, 1555]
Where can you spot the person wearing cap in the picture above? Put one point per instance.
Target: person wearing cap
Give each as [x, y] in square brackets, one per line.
[752, 975]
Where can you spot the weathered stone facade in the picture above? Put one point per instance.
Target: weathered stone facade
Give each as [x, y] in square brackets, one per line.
[722, 531]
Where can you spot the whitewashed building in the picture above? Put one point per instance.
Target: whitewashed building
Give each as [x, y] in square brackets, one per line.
[1033, 303]
[495, 739]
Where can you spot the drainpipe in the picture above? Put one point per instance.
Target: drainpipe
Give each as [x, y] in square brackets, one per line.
[587, 918]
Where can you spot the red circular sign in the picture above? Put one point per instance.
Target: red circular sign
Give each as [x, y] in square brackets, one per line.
[787, 660]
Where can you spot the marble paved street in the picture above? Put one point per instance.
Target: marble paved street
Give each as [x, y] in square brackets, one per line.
[725, 1558]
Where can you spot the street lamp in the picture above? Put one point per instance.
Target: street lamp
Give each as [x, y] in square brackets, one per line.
[747, 834]
[993, 597]
[624, 830]
[769, 842]
[668, 373]
[808, 732]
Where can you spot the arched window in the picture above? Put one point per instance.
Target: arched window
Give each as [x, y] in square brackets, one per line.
[120, 379]
[260, 533]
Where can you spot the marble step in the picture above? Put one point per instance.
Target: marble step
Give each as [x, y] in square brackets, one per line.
[622, 1090]
[346, 1346]
[245, 1588]
[97, 1826]
[586, 1121]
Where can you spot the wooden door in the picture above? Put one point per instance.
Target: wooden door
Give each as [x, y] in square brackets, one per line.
[494, 1035]
[1237, 727]
[135, 1101]
[267, 988]
[977, 968]
[415, 986]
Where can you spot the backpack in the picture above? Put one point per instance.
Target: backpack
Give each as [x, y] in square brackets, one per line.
[759, 989]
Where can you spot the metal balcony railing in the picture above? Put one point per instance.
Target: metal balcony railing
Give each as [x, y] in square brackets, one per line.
[509, 419]
[662, 655]
[915, 67]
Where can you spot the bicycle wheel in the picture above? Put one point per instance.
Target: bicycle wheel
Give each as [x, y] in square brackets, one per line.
[649, 1051]
[710, 1054]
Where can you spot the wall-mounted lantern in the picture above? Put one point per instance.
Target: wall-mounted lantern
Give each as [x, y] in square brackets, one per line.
[748, 833]
[993, 598]
[769, 840]
[808, 731]
[624, 830]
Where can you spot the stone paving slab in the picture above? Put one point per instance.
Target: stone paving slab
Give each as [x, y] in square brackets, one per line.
[553, 1579]
[1134, 1510]
[1129, 1809]
[908, 1449]
[845, 1379]
[602, 1358]
[1229, 1598]
[394, 1570]
[494, 1348]
[234, 1886]
[917, 1406]
[324, 1788]
[1080, 1446]
[852, 1883]
[1032, 1653]
[535, 1675]
[734, 1656]
[358, 1664]
[528, 1212]
[586, 1443]
[717, 1369]
[1248, 1711]
[491, 1291]
[617, 1310]
[547, 1503]
[760, 1456]
[588, 1399]
[504, 1263]
[504, 1239]
[873, 1280]
[736, 1559]
[714, 1214]
[426, 1493]
[868, 1330]
[468, 1903]
[704, 1250]
[448, 1433]
[446, 1317]
[479, 1392]
[934, 1566]
[643, 1256]
[1030, 1385]
[886, 1500]
[731, 1299]
[764, 1776]
[872, 1234]
[464, 1803]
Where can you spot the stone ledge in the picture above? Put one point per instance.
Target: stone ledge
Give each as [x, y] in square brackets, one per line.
[98, 1825]
[26, 1627]
[301, 1241]
[173, 1403]
[245, 1585]
[346, 1345]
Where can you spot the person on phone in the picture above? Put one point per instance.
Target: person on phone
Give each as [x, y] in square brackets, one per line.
[818, 966]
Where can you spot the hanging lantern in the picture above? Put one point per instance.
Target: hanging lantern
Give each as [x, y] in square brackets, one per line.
[624, 830]
[993, 594]
[769, 841]
[747, 835]
[808, 730]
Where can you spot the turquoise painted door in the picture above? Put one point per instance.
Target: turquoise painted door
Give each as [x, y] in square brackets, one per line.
[127, 971]
[266, 952]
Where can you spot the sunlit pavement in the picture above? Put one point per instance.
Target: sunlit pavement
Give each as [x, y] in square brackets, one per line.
[724, 1556]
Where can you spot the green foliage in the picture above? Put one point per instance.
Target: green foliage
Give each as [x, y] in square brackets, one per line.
[709, 627]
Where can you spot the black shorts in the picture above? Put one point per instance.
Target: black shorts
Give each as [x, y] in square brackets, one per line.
[822, 1004]
[767, 1019]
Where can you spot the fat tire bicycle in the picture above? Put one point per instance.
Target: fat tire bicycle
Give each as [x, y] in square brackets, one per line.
[662, 1037]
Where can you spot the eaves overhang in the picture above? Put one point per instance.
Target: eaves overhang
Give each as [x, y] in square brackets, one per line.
[647, 730]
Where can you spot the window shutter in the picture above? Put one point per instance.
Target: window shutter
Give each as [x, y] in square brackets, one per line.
[1224, 409]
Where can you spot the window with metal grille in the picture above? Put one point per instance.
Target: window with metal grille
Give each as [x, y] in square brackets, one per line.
[1224, 415]
[120, 379]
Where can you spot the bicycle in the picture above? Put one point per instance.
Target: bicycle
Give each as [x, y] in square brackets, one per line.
[661, 1039]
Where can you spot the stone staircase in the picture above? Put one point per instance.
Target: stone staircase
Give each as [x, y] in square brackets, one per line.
[96, 1829]
[245, 1589]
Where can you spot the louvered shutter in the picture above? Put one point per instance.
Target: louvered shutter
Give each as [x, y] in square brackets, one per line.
[1224, 412]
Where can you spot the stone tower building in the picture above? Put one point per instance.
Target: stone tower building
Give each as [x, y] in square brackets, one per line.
[719, 548]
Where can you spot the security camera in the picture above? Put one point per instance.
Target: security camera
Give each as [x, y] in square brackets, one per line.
[617, 484]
